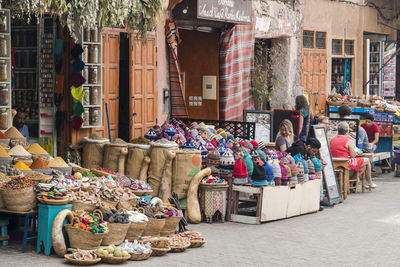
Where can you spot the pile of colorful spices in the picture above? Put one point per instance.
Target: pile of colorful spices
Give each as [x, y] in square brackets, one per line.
[39, 164]
[48, 191]
[18, 184]
[4, 178]
[37, 150]
[18, 150]
[14, 133]
[21, 166]
[92, 224]
[3, 153]
[212, 180]
[58, 162]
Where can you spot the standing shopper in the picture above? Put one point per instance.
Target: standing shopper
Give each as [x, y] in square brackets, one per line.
[302, 106]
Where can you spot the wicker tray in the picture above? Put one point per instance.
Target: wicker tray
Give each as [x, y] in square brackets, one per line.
[54, 201]
[140, 257]
[142, 192]
[113, 260]
[71, 259]
[159, 251]
[334, 103]
[197, 243]
[180, 249]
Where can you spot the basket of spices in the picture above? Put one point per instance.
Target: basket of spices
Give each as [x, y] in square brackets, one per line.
[37, 151]
[4, 157]
[3, 179]
[18, 194]
[22, 167]
[40, 165]
[20, 142]
[10, 171]
[59, 164]
[4, 139]
[172, 219]
[118, 225]
[38, 177]
[87, 233]
[14, 134]
[138, 224]
[85, 200]
[5, 146]
[20, 154]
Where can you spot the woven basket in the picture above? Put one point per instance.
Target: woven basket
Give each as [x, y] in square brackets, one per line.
[113, 260]
[171, 223]
[70, 258]
[160, 251]
[140, 257]
[79, 205]
[53, 201]
[197, 243]
[82, 239]
[19, 200]
[135, 230]
[2, 206]
[106, 205]
[116, 234]
[334, 103]
[127, 205]
[154, 227]
[182, 248]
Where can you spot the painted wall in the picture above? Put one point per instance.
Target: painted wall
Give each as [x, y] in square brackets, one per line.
[344, 21]
[162, 70]
[198, 56]
[282, 22]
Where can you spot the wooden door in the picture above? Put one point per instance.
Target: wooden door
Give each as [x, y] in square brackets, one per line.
[142, 69]
[110, 82]
[313, 78]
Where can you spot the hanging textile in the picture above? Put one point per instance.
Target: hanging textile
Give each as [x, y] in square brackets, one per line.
[236, 60]
[178, 106]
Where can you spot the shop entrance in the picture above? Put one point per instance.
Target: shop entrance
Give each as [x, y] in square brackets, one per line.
[341, 75]
[124, 114]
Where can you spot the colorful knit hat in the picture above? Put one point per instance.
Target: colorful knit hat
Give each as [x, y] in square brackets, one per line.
[262, 155]
[213, 157]
[261, 145]
[240, 174]
[249, 164]
[276, 169]
[259, 177]
[227, 161]
[268, 171]
[289, 172]
[254, 144]
[279, 154]
[283, 171]
[311, 170]
[317, 164]
[300, 173]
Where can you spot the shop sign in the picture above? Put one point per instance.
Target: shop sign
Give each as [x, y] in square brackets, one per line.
[233, 11]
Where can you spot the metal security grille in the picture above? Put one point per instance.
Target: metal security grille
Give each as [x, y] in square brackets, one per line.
[349, 47]
[320, 40]
[308, 39]
[337, 47]
[244, 130]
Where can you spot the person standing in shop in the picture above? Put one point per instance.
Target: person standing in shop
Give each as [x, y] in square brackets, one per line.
[302, 106]
[372, 130]
[19, 123]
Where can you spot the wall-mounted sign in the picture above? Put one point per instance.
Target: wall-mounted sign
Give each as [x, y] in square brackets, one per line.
[210, 87]
[234, 11]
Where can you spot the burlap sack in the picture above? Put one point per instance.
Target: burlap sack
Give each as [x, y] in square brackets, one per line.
[136, 154]
[92, 154]
[114, 156]
[158, 155]
[186, 165]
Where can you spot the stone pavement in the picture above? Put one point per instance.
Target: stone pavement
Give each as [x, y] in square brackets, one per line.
[362, 231]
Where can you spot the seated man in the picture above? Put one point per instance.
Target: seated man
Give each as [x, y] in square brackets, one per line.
[309, 149]
[342, 147]
[344, 112]
[19, 123]
[372, 131]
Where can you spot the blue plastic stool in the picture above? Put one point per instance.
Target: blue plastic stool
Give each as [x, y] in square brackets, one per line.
[4, 234]
[47, 214]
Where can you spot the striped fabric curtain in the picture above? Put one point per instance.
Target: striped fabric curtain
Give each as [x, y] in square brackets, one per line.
[178, 106]
[236, 60]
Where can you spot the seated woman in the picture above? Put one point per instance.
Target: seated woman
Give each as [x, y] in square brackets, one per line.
[342, 146]
[284, 138]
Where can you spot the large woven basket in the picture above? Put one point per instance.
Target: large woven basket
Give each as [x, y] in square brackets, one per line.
[82, 239]
[70, 258]
[19, 200]
[160, 251]
[106, 205]
[135, 230]
[140, 257]
[171, 223]
[116, 234]
[79, 205]
[113, 260]
[154, 227]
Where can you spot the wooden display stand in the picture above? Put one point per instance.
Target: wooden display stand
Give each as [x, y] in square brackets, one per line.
[278, 202]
